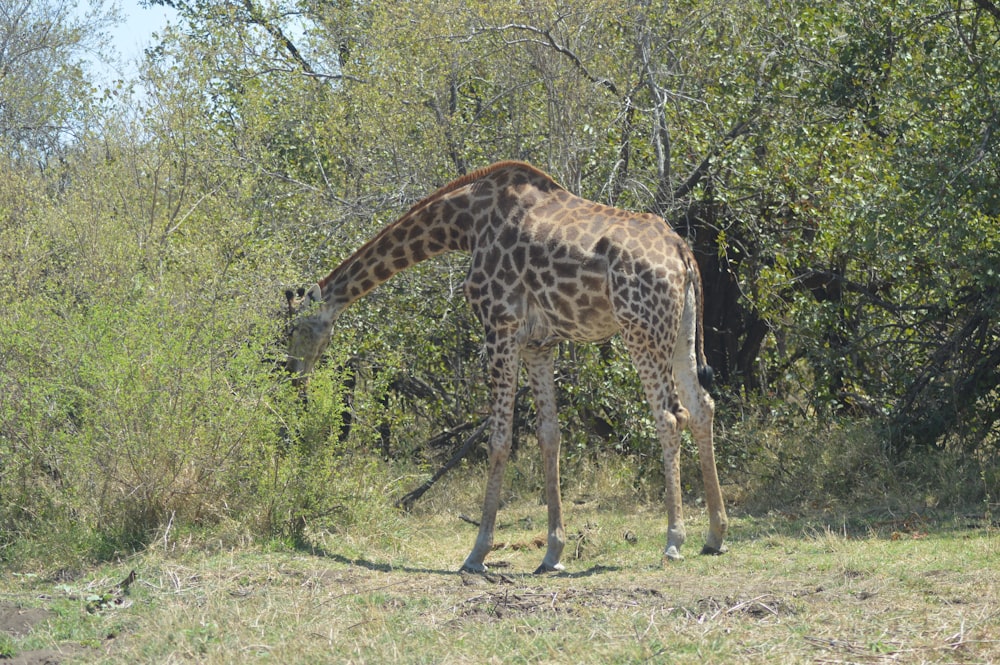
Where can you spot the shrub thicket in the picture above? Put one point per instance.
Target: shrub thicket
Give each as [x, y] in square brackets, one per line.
[835, 168]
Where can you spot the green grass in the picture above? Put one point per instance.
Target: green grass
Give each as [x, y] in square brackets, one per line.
[793, 588]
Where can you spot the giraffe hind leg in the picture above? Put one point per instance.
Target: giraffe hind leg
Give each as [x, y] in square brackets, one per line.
[702, 409]
[541, 374]
[691, 386]
[654, 366]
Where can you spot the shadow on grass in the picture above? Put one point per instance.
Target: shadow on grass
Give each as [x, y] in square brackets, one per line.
[854, 523]
[373, 566]
[590, 572]
[390, 568]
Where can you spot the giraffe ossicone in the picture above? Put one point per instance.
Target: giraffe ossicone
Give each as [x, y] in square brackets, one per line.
[548, 266]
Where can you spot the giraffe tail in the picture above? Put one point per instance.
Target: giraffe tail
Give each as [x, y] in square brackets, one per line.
[706, 375]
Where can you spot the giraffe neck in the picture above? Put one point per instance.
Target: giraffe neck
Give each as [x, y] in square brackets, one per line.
[430, 228]
[447, 220]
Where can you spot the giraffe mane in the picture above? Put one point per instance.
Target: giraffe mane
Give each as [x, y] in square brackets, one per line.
[457, 183]
[464, 180]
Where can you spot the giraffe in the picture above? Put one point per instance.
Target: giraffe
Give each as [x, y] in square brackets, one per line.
[548, 266]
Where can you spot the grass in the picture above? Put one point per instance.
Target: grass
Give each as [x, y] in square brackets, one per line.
[793, 588]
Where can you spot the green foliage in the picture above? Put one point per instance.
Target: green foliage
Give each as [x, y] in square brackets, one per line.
[834, 166]
[45, 94]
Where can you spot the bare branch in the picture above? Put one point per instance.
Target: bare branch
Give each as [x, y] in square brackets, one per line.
[740, 128]
[661, 132]
[989, 7]
[550, 42]
[257, 18]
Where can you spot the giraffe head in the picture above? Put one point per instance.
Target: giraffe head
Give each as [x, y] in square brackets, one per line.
[308, 332]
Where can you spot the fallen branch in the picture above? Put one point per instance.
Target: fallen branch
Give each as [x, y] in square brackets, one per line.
[406, 503]
[466, 518]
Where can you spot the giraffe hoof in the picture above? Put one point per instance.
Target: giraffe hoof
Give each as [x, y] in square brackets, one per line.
[673, 554]
[547, 568]
[714, 551]
[474, 568]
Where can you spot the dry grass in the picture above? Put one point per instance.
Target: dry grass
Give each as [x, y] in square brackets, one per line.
[790, 590]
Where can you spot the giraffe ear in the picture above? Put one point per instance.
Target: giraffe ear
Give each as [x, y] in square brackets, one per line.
[302, 297]
[291, 304]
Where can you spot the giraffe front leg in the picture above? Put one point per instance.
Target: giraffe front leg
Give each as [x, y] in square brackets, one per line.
[557, 536]
[499, 452]
[504, 381]
[541, 375]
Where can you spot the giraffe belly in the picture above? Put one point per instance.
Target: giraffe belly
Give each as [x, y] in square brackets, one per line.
[551, 320]
[594, 329]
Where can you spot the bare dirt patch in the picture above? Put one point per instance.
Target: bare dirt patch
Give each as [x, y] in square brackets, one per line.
[510, 602]
[18, 621]
[45, 656]
[760, 607]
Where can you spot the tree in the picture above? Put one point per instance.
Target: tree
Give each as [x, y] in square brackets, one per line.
[793, 144]
[45, 93]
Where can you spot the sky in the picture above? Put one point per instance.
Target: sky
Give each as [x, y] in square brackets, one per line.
[141, 22]
[135, 34]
